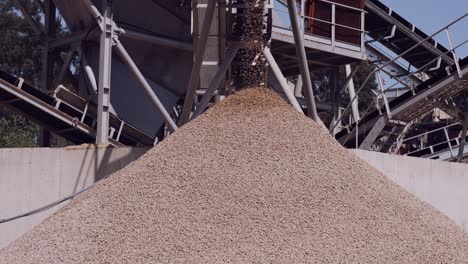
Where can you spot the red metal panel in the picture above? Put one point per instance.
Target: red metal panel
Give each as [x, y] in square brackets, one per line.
[344, 16]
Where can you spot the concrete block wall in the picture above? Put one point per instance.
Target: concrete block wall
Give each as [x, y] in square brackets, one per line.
[442, 184]
[33, 177]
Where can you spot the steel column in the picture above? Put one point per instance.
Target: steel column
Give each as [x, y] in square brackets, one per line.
[214, 84]
[298, 87]
[461, 147]
[146, 86]
[105, 61]
[282, 81]
[304, 67]
[384, 96]
[448, 141]
[303, 15]
[374, 133]
[47, 59]
[50, 33]
[198, 58]
[334, 92]
[352, 92]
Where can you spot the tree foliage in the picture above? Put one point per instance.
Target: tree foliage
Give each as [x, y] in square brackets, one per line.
[20, 49]
[20, 55]
[322, 84]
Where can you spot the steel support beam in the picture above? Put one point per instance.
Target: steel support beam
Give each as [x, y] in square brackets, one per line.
[157, 40]
[41, 4]
[281, 80]
[214, 84]
[461, 147]
[304, 67]
[50, 33]
[47, 60]
[70, 39]
[198, 58]
[428, 92]
[334, 96]
[36, 27]
[95, 12]
[374, 133]
[146, 86]
[298, 87]
[65, 67]
[104, 83]
[321, 63]
[384, 96]
[352, 92]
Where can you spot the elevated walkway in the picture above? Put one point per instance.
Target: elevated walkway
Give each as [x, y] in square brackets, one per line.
[325, 49]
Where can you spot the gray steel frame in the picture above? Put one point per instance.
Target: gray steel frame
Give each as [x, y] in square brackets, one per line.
[198, 59]
[282, 81]
[104, 82]
[304, 66]
[214, 84]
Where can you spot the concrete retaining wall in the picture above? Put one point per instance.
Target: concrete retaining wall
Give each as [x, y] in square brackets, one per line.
[33, 177]
[442, 184]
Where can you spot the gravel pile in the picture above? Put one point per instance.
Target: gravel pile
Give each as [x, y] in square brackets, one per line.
[250, 181]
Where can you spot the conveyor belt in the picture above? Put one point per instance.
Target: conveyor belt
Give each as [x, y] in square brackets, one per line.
[381, 21]
[66, 114]
[409, 106]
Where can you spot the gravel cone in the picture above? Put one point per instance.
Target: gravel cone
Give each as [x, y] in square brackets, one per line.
[250, 181]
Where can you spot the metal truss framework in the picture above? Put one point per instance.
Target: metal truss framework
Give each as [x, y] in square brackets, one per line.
[431, 82]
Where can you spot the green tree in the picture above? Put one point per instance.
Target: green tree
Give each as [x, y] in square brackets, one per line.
[20, 55]
[322, 83]
[366, 96]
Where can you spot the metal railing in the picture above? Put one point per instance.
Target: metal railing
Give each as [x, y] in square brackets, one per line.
[379, 68]
[431, 148]
[332, 23]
